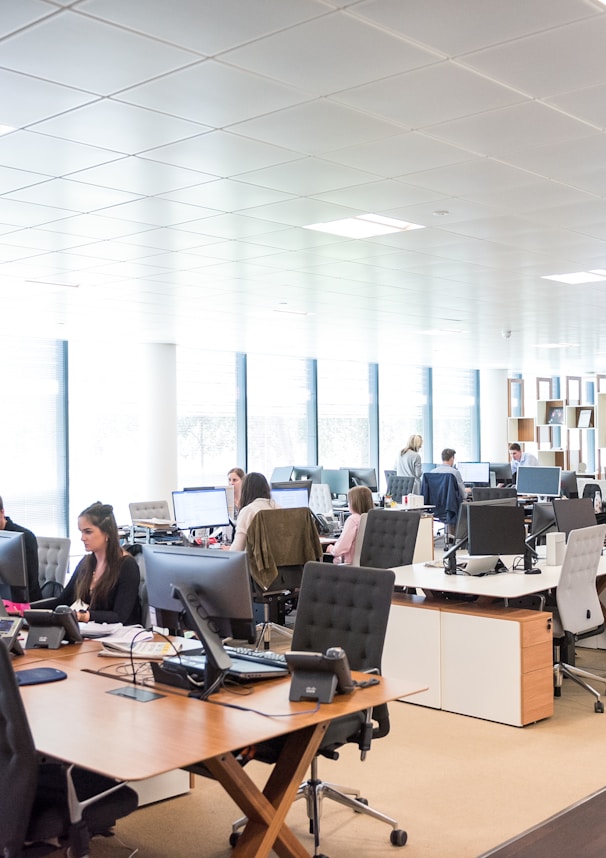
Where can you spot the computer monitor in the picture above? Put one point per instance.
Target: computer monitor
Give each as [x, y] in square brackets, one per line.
[462, 529]
[293, 484]
[362, 477]
[281, 473]
[540, 481]
[197, 508]
[474, 473]
[13, 567]
[568, 484]
[501, 471]
[221, 578]
[307, 472]
[573, 514]
[496, 529]
[337, 481]
[543, 521]
[288, 498]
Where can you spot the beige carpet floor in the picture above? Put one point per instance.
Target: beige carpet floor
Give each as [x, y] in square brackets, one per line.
[457, 785]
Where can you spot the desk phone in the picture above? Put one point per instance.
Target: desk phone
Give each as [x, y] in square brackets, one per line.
[9, 633]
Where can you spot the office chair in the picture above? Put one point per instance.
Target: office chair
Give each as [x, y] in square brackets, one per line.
[359, 539]
[279, 543]
[441, 491]
[578, 611]
[320, 500]
[149, 509]
[389, 538]
[480, 493]
[346, 606]
[46, 801]
[397, 487]
[53, 560]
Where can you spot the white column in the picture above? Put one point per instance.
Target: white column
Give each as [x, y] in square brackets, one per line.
[157, 466]
[493, 415]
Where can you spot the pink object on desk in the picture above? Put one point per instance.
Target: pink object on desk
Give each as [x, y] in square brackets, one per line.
[16, 607]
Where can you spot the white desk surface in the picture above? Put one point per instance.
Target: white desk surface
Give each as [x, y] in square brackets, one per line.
[504, 585]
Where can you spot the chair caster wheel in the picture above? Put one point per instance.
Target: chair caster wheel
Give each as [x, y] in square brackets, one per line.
[398, 837]
[599, 706]
[233, 838]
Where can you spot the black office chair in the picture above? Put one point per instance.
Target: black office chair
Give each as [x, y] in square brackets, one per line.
[345, 606]
[390, 537]
[398, 487]
[279, 543]
[480, 493]
[441, 490]
[34, 802]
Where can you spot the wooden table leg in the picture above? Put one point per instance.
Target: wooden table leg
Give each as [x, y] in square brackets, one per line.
[266, 811]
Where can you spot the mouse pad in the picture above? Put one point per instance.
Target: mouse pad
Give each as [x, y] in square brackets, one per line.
[37, 675]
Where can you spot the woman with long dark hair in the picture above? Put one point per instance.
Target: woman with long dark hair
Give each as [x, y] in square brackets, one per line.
[105, 585]
[255, 496]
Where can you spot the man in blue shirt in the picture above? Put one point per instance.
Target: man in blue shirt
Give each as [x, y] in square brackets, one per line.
[518, 457]
[447, 467]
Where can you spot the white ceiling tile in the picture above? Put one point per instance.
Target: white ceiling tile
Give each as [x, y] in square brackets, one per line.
[456, 30]
[77, 51]
[316, 127]
[221, 154]
[28, 99]
[227, 194]
[210, 26]
[141, 177]
[213, 94]
[307, 176]
[119, 127]
[74, 196]
[304, 56]
[547, 63]
[588, 104]
[378, 197]
[47, 155]
[499, 132]
[456, 92]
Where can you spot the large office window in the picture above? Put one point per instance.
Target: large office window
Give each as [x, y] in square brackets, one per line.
[280, 430]
[33, 467]
[343, 414]
[206, 416]
[455, 412]
[402, 408]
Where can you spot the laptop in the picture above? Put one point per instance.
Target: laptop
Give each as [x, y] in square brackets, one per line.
[480, 564]
[241, 670]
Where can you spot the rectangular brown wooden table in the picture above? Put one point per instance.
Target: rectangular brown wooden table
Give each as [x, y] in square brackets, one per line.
[132, 740]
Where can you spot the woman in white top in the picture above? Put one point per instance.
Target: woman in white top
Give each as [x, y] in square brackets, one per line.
[408, 463]
[254, 496]
[359, 500]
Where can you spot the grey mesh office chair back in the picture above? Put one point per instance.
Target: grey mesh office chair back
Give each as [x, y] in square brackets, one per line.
[578, 613]
[53, 560]
[398, 487]
[480, 493]
[390, 537]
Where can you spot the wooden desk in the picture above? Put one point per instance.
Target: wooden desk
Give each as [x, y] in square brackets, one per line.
[131, 740]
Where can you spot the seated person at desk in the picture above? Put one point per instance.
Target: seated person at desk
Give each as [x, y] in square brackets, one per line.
[255, 496]
[359, 501]
[31, 553]
[105, 585]
[520, 458]
[409, 464]
[447, 467]
[234, 478]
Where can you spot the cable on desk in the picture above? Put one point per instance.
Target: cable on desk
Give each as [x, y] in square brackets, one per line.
[266, 714]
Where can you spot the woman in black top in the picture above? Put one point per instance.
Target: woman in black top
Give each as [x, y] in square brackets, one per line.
[105, 583]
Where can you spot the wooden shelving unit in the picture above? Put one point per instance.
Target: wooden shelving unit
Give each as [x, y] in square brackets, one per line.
[521, 429]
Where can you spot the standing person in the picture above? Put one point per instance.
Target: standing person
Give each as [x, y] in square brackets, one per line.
[255, 496]
[31, 553]
[359, 501]
[518, 457]
[447, 467]
[234, 478]
[105, 585]
[408, 463]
